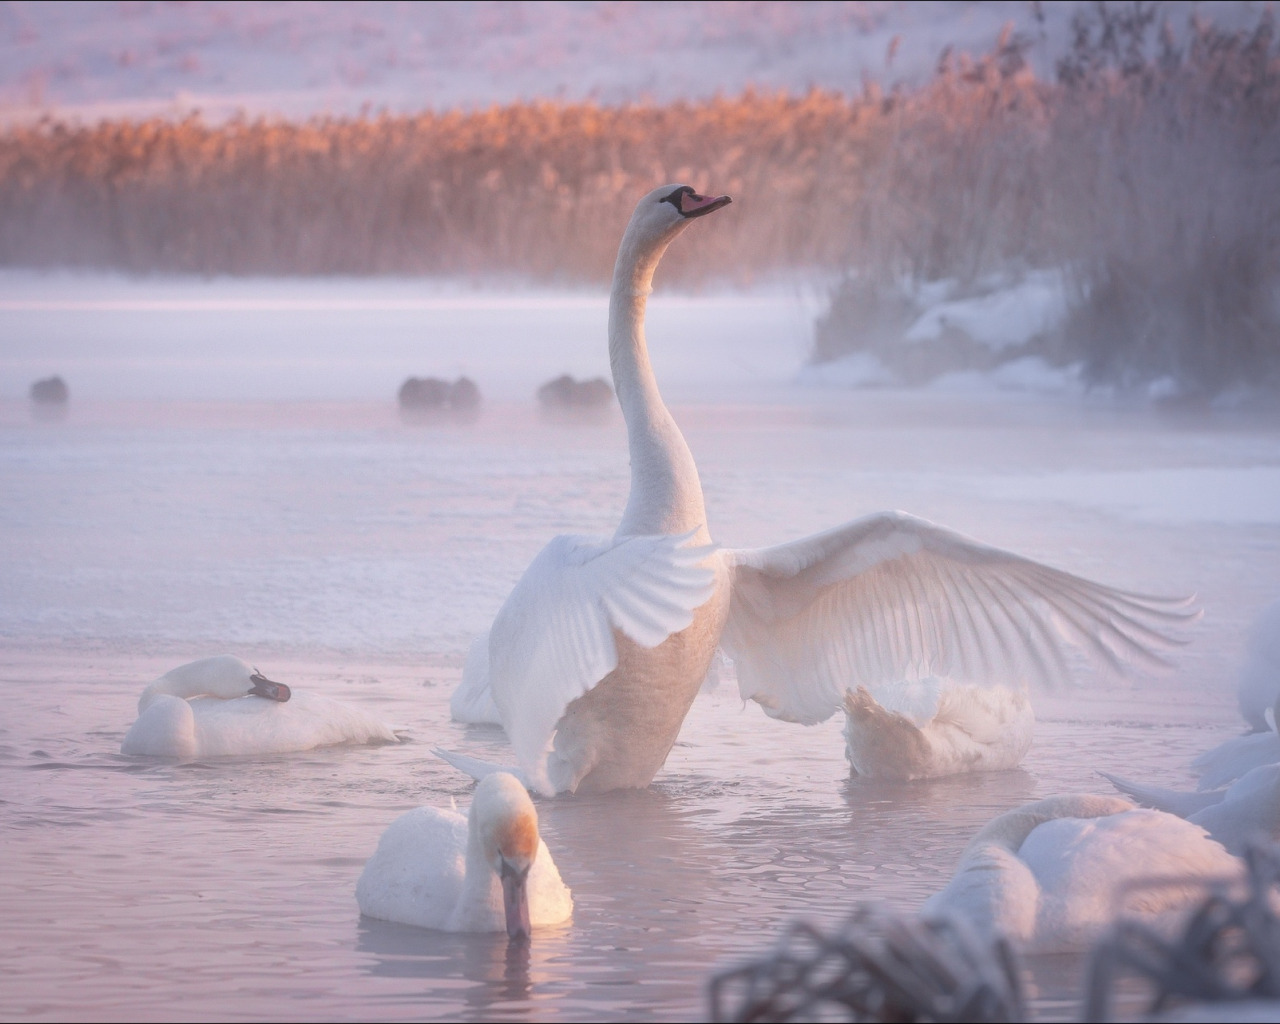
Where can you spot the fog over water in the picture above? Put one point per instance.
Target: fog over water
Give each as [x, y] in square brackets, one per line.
[232, 474]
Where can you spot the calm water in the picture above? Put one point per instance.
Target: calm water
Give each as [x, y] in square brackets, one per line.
[344, 550]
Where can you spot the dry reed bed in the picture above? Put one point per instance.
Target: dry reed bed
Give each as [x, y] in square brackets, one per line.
[541, 189]
[1147, 169]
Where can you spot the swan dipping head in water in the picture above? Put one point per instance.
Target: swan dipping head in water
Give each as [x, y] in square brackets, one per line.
[486, 872]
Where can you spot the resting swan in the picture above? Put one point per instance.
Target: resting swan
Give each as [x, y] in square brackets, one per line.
[1052, 875]
[595, 657]
[218, 707]
[489, 870]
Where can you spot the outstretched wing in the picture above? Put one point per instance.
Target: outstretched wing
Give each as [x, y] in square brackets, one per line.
[553, 639]
[891, 596]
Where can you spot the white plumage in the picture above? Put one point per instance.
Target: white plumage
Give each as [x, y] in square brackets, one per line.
[932, 727]
[488, 871]
[1052, 875]
[1247, 810]
[212, 708]
[597, 654]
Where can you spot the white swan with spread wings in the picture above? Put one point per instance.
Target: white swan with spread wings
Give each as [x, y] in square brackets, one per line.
[594, 659]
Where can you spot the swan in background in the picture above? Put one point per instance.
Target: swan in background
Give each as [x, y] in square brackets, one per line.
[1259, 686]
[933, 727]
[482, 873]
[218, 707]
[1234, 758]
[1249, 809]
[1053, 874]
[472, 700]
[596, 656]
[1258, 692]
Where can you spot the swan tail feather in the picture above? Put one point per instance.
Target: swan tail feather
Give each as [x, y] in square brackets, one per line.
[1167, 800]
[477, 768]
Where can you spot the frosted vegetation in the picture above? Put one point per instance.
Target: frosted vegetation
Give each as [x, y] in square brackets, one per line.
[1125, 206]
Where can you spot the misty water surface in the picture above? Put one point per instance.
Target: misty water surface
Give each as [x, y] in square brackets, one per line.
[341, 548]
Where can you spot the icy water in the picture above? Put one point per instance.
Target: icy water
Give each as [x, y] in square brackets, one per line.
[343, 549]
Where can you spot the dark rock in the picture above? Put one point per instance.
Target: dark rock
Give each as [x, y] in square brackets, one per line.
[431, 397]
[50, 391]
[464, 394]
[566, 393]
[424, 393]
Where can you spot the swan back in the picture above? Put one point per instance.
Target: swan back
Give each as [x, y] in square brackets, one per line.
[919, 729]
[1053, 874]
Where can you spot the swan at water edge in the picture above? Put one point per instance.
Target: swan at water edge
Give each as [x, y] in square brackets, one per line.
[594, 659]
[482, 873]
[1248, 809]
[1053, 874]
[219, 707]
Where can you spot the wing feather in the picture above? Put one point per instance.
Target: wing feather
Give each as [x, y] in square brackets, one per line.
[892, 597]
[553, 638]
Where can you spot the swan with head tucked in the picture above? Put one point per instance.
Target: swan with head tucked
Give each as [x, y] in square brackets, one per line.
[482, 873]
[1052, 875]
[594, 659]
[220, 707]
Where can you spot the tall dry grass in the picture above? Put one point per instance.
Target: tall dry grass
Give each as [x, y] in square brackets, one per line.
[541, 189]
[1147, 169]
[1167, 192]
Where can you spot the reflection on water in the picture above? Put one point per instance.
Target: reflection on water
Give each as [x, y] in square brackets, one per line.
[349, 553]
[487, 970]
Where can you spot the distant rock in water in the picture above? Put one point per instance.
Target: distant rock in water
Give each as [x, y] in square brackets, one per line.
[50, 391]
[424, 393]
[420, 395]
[464, 394]
[566, 393]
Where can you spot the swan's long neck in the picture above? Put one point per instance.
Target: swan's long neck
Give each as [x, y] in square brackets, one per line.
[666, 495]
[480, 886]
[223, 676]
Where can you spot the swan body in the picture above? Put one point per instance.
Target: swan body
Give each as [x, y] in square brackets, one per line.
[933, 727]
[596, 655]
[482, 873]
[1249, 809]
[220, 707]
[1052, 875]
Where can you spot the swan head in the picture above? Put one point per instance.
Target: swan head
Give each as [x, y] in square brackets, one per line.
[504, 824]
[663, 214]
[261, 686]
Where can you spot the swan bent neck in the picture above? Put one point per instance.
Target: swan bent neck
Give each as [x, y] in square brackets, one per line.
[666, 495]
